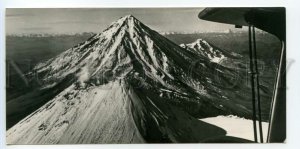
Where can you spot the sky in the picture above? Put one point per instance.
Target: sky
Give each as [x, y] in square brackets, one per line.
[78, 20]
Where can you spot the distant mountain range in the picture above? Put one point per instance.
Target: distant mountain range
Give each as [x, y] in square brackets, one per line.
[50, 34]
[91, 33]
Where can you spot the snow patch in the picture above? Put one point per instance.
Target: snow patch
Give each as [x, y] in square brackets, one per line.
[236, 126]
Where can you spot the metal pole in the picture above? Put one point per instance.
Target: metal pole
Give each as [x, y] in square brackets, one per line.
[276, 113]
[252, 85]
[257, 86]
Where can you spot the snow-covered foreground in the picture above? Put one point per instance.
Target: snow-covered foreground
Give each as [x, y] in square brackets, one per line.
[236, 126]
[112, 113]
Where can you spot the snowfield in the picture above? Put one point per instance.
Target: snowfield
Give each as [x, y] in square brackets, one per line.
[112, 113]
[237, 127]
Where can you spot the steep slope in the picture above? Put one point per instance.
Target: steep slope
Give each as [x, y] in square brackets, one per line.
[80, 116]
[129, 84]
[111, 113]
[127, 44]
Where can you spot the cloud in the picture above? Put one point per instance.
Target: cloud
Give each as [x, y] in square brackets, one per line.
[17, 15]
[83, 76]
[36, 28]
[74, 22]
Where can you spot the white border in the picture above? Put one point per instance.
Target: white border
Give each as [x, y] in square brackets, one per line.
[293, 53]
[139, 3]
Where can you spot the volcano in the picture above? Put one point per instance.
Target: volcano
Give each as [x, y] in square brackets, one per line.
[202, 48]
[128, 84]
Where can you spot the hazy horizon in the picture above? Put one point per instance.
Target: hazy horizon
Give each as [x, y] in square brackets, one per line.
[79, 20]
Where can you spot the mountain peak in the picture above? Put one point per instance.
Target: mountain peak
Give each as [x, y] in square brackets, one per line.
[128, 16]
[127, 45]
[202, 48]
[126, 21]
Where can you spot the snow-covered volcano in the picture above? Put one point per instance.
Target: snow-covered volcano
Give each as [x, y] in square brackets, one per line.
[202, 48]
[128, 84]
